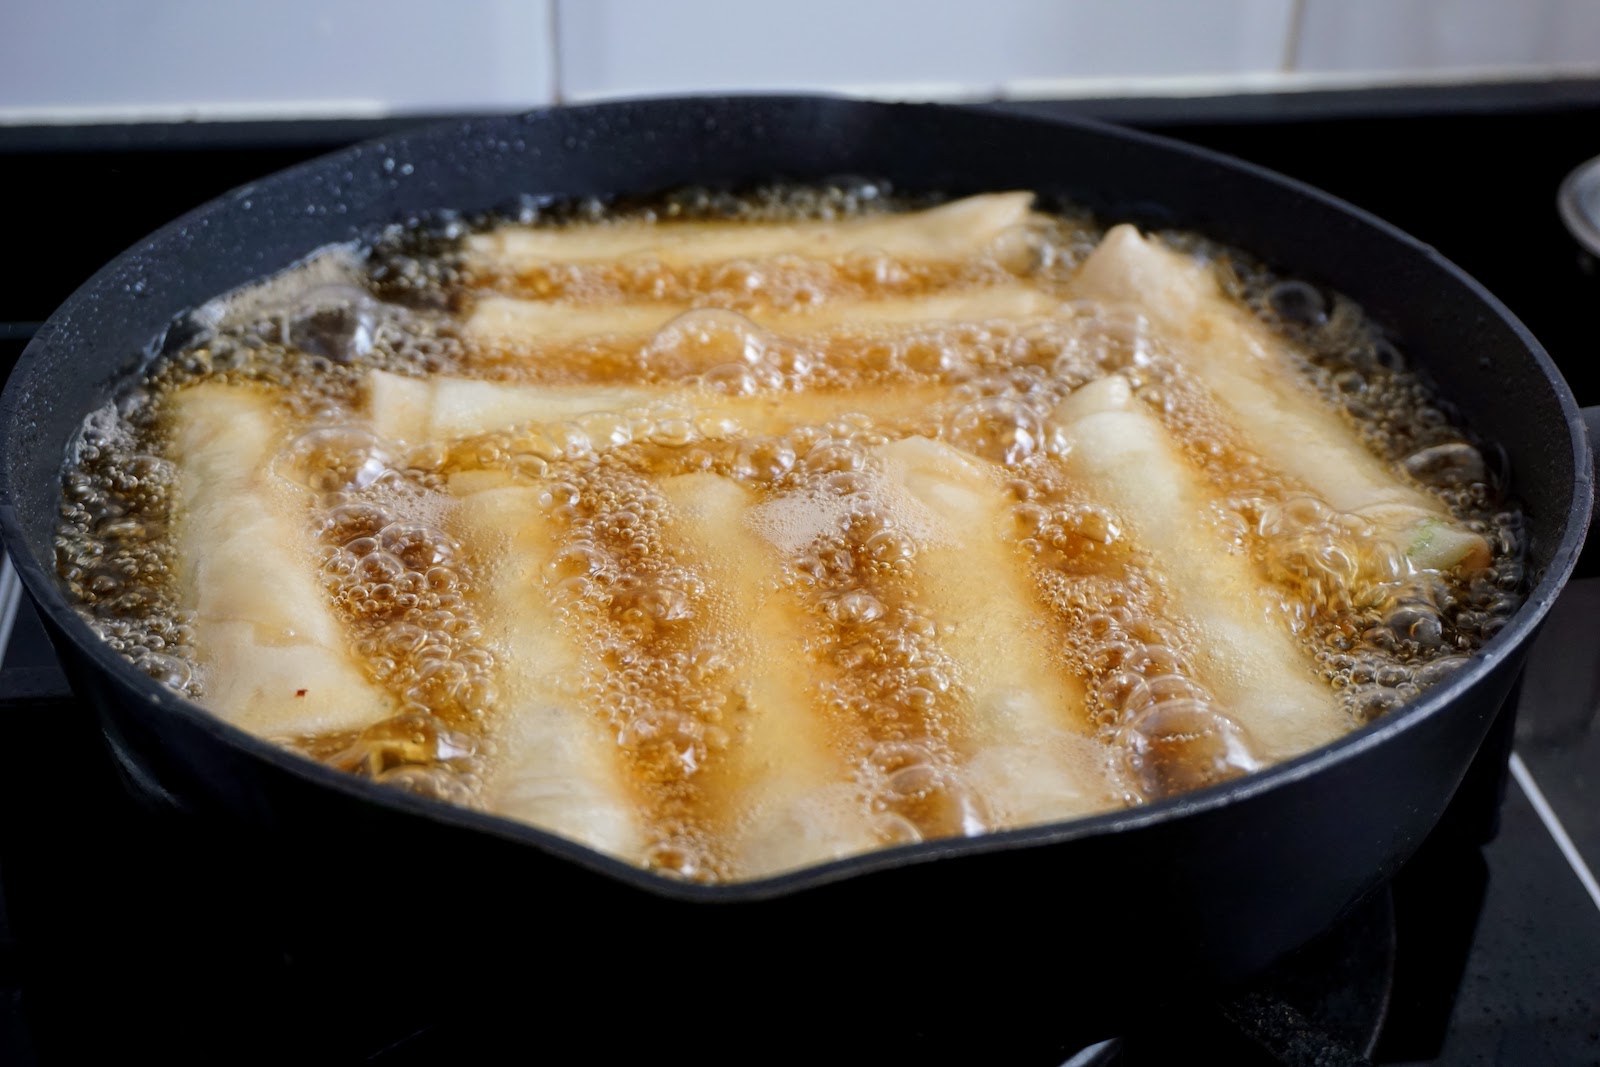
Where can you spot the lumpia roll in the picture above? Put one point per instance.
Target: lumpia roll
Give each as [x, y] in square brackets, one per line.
[555, 767]
[1247, 368]
[788, 796]
[1248, 659]
[955, 230]
[506, 320]
[273, 655]
[444, 410]
[1028, 743]
[441, 409]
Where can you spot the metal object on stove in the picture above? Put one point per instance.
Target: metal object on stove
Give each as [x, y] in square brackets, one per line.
[1579, 203]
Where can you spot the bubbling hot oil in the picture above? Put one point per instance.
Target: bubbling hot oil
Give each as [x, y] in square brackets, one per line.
[660, 643]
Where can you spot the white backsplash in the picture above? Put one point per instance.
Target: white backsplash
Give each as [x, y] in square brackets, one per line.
[225, 58]
[1464, 35]
[936, 47]
[87, 60]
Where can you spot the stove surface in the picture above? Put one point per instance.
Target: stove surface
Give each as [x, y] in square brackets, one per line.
[120, 929]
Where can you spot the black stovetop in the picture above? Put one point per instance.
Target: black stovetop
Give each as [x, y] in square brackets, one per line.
[120, 929]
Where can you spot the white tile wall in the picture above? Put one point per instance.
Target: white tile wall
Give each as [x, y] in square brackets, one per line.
[351, 56]
[1407, 35]
[99, 59]
[932, 47]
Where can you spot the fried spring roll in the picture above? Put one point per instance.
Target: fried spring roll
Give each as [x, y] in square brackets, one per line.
[790, 801]
[1122, 456]
[1030, 753]
[273, 655]
[950, 231]
[555, 767]
[510, 320]
[1246, 367]
[444, 409]
[441, 409]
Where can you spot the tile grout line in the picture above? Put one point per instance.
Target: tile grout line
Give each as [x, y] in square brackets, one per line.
[10, 601]
[1292, 38]
[1552, 823]
[557, 69]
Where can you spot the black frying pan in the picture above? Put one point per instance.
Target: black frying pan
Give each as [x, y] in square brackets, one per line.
[1089, 920]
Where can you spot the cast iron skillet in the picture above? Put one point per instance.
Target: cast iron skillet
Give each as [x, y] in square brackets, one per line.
[1087, 920]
